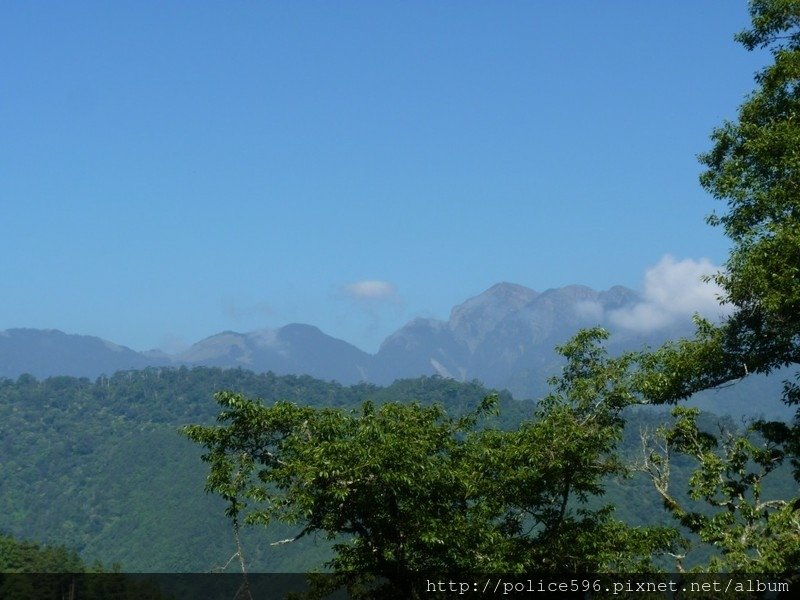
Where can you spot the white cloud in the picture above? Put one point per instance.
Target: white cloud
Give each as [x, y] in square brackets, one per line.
[673, 291]
[372, 290]
[589, 310]
[371, 304]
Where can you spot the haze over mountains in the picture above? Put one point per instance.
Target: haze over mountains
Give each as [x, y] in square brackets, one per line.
[504, 337]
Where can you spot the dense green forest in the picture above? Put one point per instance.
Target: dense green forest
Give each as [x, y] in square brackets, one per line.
[90, 463]
[101, 467]
[17, 556]
[31, 571]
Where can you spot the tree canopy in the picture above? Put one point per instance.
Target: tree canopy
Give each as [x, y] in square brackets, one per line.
[405, 488]
[754, 165]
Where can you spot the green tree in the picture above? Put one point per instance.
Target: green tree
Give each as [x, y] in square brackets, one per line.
[404, 488]
[756, 534]
[387, 485]
[542, 475]
[754, 166]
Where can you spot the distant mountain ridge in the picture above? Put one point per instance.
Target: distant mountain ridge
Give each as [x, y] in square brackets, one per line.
[487, 337]
[46, 352]
[504, 337]
[295, 349]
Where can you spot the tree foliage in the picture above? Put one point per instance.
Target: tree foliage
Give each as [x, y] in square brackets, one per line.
[405, 488]
[31, 571]
[754, 533]
[754, 166]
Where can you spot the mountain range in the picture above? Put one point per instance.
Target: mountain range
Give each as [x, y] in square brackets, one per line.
[504, 337]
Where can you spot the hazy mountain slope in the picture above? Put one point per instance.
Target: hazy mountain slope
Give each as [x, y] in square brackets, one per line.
[45, 352]
[472, 321]
[293, 349]
[504, 337]
[424, 347]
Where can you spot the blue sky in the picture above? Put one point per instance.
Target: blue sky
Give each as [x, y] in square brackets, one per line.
[171, 170]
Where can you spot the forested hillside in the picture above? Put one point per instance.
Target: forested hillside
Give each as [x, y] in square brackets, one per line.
[90, 463]
[31, 571]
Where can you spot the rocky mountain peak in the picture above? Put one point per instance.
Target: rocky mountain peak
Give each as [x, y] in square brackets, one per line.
[472, 320]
